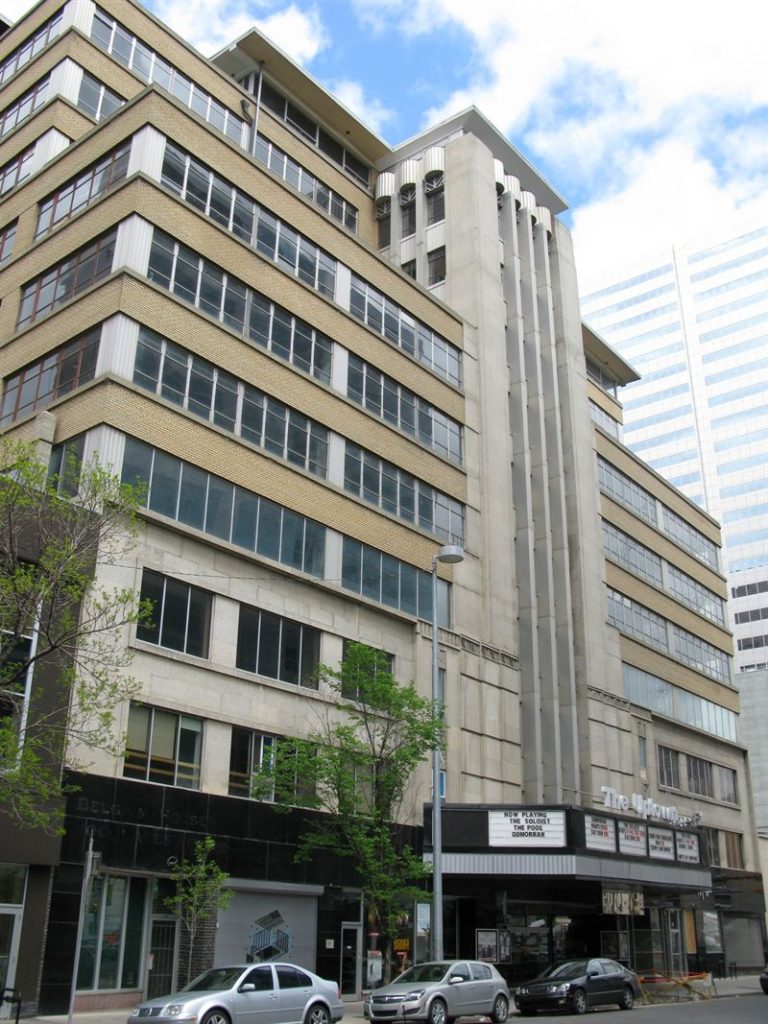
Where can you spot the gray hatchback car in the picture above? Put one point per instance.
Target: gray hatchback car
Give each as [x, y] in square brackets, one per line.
[441, 991]
[247, 994]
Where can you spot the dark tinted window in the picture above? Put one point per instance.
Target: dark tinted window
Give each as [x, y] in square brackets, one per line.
[290, 977]
[261, 977]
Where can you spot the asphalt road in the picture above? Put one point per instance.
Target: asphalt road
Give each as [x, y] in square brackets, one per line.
[748, 1009]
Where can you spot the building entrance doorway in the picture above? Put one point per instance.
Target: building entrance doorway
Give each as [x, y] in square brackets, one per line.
[162, 957]
[350, 968]
[675, 947]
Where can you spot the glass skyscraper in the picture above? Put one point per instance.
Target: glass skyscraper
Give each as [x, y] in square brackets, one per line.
[693, 321]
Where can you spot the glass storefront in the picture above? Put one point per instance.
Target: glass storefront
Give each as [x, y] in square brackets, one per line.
[113, 933]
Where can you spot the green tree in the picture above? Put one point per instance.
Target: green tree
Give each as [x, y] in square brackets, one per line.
[357, 766]
[198, 897]
[62, 658]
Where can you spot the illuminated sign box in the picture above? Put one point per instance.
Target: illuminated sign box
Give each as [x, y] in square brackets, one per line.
[526, 828]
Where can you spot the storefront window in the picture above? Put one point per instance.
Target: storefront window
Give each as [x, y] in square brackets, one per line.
[112, 934]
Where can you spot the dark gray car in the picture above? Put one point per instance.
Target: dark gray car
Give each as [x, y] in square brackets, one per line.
[247, 994]
[441, 991]
[578, 985]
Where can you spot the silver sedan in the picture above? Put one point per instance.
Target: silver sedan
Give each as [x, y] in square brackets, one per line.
[441, 991]
[247, 994]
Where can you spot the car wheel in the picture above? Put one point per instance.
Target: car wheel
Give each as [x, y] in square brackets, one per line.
[627, 1000]
[216, 1017]
[500, 1010]
[579, 1001]
[317, 1014]
[438, 1012]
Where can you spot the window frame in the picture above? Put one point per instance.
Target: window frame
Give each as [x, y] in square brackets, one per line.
[668, 766]
[184, 774]
[196, 641]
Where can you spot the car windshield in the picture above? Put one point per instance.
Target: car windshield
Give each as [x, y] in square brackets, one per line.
[424, 972]
[570, 969]
[219, 977]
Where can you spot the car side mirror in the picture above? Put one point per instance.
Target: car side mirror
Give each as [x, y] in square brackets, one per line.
[455, 979]
[593, 974]
[247, 986]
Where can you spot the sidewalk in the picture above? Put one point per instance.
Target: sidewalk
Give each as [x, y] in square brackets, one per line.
[747, 984]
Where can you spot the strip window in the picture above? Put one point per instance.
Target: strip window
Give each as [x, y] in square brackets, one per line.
[657, 694]
[308, 129]
[386, 486]
[304, 181]
[163, 747]
[630, 554]
[97, 99]
[206, 502]
[149, 66]
[380, 577]
[229, 300]
[626, 492]
[385, 317]
[279, 648]
[65, 466]
[604, 419]
[696, 596]
[214, 196]
[688, 537]
[385, 398]
[637, 620]
[24, 107]
[58, 373]
[7, 240]
[703, 656]
[16, 170]
[198, 386]
[24, 53]
[191, 496]
[204, 285]
[79, 192]
[67, 279]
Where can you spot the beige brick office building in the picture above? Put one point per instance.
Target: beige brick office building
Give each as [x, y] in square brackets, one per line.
[327, 358]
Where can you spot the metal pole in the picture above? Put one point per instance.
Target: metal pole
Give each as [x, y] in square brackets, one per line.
[437, 824]
[80, 922]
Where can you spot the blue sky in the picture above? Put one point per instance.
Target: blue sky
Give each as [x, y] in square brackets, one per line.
[651, 119]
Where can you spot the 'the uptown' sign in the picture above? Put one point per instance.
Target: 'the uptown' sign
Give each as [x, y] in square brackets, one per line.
[643, 805]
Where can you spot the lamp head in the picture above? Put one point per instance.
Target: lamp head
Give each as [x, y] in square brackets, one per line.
[450, 553]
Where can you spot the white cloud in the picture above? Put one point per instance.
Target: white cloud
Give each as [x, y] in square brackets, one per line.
[300, 34]
[657, 110]
[371, 112]
[210, 25]
[673, 197]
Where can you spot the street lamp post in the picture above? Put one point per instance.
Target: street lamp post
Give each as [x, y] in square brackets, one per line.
[449, 553]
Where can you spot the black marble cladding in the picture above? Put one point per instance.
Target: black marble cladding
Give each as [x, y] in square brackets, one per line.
[138, 827]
